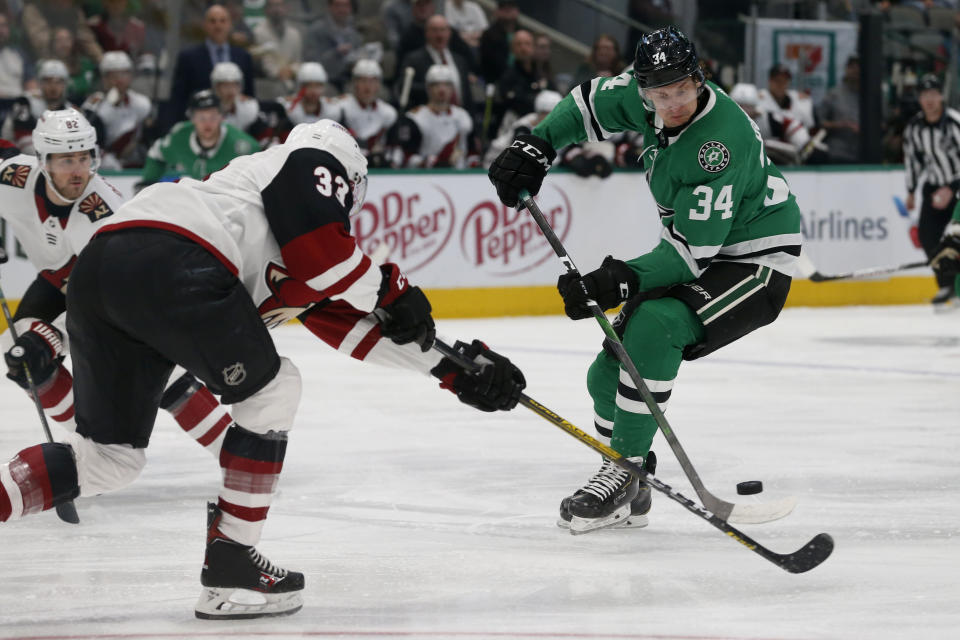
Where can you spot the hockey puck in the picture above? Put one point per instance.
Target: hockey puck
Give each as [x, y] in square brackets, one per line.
[749, 487]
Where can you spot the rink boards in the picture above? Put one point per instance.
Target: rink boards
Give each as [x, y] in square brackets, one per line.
[477, 258]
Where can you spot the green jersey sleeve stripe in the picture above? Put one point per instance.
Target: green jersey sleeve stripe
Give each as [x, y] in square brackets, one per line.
[679, 244]
[582, 96]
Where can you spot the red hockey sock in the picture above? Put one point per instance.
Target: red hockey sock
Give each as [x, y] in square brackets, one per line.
[251, 465]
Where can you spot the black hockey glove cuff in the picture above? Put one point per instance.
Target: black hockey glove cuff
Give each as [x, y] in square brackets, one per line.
[495, 387]
[946, 257]
[407, 319]
[39, 349]
[522, 165]
[608, 286]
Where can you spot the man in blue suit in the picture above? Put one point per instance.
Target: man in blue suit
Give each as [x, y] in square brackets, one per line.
[194, 64]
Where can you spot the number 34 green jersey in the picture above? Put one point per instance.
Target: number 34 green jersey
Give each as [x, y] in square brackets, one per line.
[719, 197]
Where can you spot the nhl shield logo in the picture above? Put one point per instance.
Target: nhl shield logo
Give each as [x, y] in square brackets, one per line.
[714, 156]
[234, 374]
[15, 175]
[95, 208]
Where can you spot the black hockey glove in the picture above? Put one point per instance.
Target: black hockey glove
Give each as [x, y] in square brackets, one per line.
[408, 319]
[946, 257]
[608, 286]
[40, 349]
[495, 387]
[522, 165]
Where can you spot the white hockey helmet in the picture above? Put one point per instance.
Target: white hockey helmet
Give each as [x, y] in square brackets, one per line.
[546, 101]
[311, 72]
[53, 69]
[115, 61]
[332, 137]
[367, 69]
[226, 72]
[64, 131]
[439, 73]
[745, 94]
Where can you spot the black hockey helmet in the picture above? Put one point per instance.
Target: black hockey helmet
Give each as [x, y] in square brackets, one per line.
[205, 99]
[665, 56]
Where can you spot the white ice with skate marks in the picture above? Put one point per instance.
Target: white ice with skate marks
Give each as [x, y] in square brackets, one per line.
[414, 516]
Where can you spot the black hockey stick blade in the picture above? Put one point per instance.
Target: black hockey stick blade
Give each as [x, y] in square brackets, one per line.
[68, 512]
[807, 557]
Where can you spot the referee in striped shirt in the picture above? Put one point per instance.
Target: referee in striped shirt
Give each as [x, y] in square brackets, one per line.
[931, 150]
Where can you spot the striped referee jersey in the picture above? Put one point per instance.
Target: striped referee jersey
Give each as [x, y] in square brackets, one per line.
[932, 150]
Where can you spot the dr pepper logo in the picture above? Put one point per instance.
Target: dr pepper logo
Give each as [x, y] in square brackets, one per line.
[504, 242]
[413, 225]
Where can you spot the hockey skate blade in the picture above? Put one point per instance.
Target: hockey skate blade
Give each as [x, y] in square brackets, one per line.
[760, 513]
[579, 526]
[217, 603]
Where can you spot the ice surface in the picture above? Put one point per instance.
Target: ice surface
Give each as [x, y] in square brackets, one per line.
[414, 516]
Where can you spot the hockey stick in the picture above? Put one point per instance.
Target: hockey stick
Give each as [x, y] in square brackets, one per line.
[66, 511]
[742, 513]
[804, 559]
[816, 276]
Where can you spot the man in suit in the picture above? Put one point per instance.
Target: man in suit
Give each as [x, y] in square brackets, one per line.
[437, 51]
[194, 64]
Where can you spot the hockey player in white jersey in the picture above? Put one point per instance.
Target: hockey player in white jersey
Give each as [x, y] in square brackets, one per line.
[445, 129]
[365, 115]
[195, 273]
[309, 104]
[265, 120]
[55, 202]
[24, 113]
[122, 111]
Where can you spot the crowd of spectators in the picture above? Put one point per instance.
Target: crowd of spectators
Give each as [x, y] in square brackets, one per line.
[420, 83]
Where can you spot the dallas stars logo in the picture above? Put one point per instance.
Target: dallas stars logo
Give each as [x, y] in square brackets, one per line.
[714, 156]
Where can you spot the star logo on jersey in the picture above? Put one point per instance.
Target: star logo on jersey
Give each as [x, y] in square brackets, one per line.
[15, 175]
[95, 208]
[714, 156]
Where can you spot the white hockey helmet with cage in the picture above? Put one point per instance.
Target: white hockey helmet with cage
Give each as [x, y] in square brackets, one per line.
[332, 137]
[64, 131]
[367, 68]
[53, 69]
[311, 72]
[439, 73]
[115, 61]
[226, 72]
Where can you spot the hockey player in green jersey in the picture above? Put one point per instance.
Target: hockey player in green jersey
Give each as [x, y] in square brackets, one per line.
[197, 147]
[946, 257]
[729, 239]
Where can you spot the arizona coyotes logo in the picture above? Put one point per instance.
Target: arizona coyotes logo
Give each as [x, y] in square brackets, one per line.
[95, 208]
[289, 297]
[15, 175]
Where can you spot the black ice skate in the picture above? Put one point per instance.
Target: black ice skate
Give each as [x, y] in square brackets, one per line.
[945, 300]
[576, 511]
[240, 583]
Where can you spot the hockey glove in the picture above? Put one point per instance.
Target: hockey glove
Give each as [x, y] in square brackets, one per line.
[946, 257]
[407, 319]
[495, 387]
[608, 286]
[522, 165]
[39, 349]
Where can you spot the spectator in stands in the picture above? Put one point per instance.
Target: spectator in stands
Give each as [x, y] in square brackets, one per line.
[778, 96]
[16, 69]
[334, 42]
[604, 61]
[443, 131]
[279, 45]
[22, 118]
[495, 42]
[265, 121]
[116, 29]
[839, 114]
[194, 64]
[415, 36]
[397, 16]
[436, 50]
[241, 35]
[309, 104]
[542, 52]
[199, 146]
[122, 110]
[83, 70]
[365, 115]
[40, 18]
[520, 83]
[466, 18]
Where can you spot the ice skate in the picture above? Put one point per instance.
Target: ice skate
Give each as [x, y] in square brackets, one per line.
[639, 505]
[240, 583]
[945, 300]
